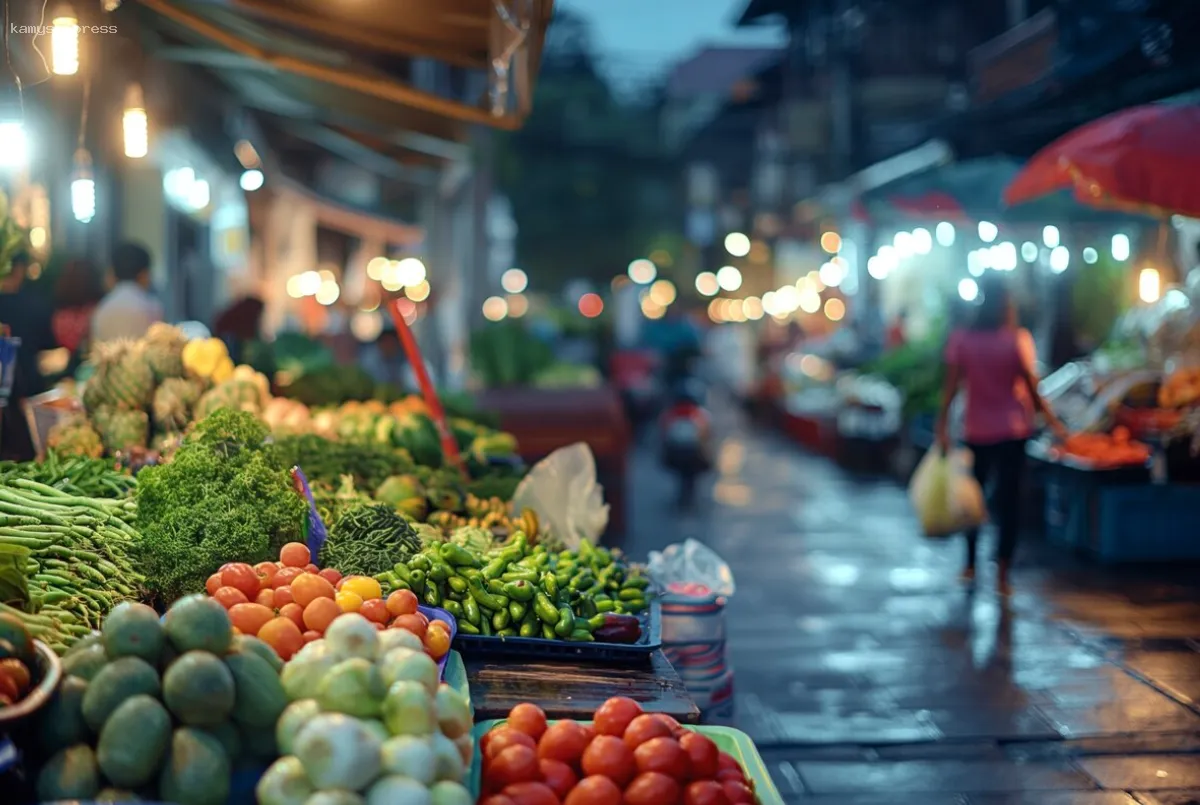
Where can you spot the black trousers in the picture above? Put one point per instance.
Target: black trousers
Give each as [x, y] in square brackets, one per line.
[1000, 466]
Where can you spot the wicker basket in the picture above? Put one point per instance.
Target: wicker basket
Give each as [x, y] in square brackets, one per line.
[45, 411]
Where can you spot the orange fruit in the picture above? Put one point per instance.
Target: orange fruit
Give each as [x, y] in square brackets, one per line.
[320, 613]
[437, 643]
[283, 635]
[214, 583]
[309, 587]
[295, 554]
[294, 613]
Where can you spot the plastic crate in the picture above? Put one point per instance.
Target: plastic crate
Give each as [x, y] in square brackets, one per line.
[727, 739]
[1148, 523]
[1072, 501]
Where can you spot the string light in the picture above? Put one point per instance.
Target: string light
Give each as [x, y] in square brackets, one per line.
[135, 124]
[83, 188]
[64, 43]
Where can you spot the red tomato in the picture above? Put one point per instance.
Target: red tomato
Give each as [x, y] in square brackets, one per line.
[266, 598]
[702, 754]
[652, 788]
[643, 728]
[529, 719]
[613, 717]
[311, 568]
[705, 792]
[736, 775]
[531, 793]
[213, 584]
[294, 554]
[285, 576]
[728, 761]
[558, 775]
[226, 566]
[676, 727]
[243, 577]
[497, 799]
[663, 755]
[310, 636]
[589, 732]
[513, 764]
[295, 613]
[608, 755]
[230, 596]
[738, 793]
[330, 575]
[564, 741]
[501, 738]
[283, 596]
[375, 611]
[266, 573]
[594, 791]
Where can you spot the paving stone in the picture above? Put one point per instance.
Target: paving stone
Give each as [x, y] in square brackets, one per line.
[1144, 773]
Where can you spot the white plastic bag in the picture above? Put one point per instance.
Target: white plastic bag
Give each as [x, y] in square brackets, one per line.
[946, 495]
[692, 562]
[562, 489]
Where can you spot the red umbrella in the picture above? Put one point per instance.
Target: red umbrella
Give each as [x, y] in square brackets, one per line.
[1139, 158]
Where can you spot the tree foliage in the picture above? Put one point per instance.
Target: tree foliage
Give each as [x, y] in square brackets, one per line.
[589, 186]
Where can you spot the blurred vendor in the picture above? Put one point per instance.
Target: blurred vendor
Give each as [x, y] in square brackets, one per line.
[384, 359]
[27, 316]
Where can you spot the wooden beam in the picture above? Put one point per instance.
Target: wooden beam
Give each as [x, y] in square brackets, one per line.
[353, 151]
[385, 43]
[380, 88]
[211, 57]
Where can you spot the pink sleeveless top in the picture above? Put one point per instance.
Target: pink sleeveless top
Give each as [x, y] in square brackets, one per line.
[991, 364]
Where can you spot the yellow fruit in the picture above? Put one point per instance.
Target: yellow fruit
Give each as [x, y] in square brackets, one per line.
[364, 587]
[348, 601]
[223, 370]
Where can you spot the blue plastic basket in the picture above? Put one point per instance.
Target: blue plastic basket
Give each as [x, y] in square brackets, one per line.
[9, 347]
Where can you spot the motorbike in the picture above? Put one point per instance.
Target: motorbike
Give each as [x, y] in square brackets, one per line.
[686, 437]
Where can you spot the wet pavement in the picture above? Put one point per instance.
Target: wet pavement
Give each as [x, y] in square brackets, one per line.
[867, 674]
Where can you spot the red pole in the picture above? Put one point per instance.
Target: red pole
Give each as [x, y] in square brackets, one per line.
[436, 412]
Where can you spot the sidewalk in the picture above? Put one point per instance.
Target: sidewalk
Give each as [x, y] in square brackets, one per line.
[866, 674]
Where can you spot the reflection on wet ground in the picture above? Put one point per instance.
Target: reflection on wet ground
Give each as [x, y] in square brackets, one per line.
[866, 674]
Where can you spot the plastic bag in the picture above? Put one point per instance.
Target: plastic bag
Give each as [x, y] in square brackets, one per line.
[562, 489]
[946, 495]
[692, 562]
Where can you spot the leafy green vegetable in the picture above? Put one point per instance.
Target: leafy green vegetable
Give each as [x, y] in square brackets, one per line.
[326, 461]
[367, 540]
[226, 497]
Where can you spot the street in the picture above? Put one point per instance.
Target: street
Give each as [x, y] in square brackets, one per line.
[866, 674]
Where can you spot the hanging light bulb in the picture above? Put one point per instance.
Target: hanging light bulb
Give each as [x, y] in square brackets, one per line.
[64, 43]
[14, 141]
[137, 127]
[83, 188]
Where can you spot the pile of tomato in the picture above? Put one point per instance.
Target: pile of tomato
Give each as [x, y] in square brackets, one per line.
[292, 602]
[624, 757]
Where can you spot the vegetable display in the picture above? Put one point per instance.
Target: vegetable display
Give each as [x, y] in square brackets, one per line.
[76, 554]
[164, 707]
[489, 513]
[75, 475]
[623, 757]
[19, 671]
[225, 497]
[368, 723]
[291, 602]
[1106, 450]
[525, 590]
[366, 540]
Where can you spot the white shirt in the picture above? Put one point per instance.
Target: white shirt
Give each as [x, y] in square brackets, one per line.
[127, 312]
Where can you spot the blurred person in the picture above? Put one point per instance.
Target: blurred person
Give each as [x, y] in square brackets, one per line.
[993, 361]
[27, 315]
[76, 295]
[240, 326]
[896, 336]
[129, 308]
[384, 360]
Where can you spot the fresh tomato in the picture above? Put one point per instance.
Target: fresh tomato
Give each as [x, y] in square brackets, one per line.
[497, 799]
[214, 583]
[266, 573]
[643, 728]
[230, 596]
[663, 755]
[513, 764]
[527, 718]
[311, 568]
[702, 753]
[283, 596]
[613, 717]
[330, 575]
[609, 756]
[652, 788]
[501, 738]
[559, 776]
[250, 618]
[266, 598]
[243, 577]
[411, 623]
[295, 554]
[374, 610]
[531, 793]
[437, 641]
[563, 740]
[295, 613]
[705, 792]
[594, 791]
[286, 576]
[738, 793]
[728, 761]
[402, 602]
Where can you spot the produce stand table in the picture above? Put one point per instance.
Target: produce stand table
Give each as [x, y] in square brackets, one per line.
[576, 689]
[543, 420]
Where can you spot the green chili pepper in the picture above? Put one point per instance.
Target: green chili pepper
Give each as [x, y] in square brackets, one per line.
[466, 627]
[631, 595]
[486, 627]
[457, 583]
[520, 575]
[520, 590]
[636, 583]
[581, 636]
[529, 629]
[517, 610]
[432, 596]
[495, 568]
[545, 609]
[634, 607]
[596, 621]
[420, 562]
[588, 606]
[454, 608]
[416, 580]
[487, 600]
[507, 631]
[469, 573]
[606, 606]
[548, 632]
[457, 555]
[566, 622]
[471, 610]
[550, 585]
[440, 572]
[501, 620]
[401, 570]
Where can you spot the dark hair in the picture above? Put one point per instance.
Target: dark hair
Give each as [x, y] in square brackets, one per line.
[994, 304]
[79, 286]
[130, 261]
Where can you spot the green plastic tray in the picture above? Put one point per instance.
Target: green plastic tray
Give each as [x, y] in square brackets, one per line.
[456, 677]
[727, 739]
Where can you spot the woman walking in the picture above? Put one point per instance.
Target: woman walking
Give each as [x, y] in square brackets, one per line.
[993, 361]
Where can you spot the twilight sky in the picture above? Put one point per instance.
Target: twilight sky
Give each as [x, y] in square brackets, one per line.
[641, 38]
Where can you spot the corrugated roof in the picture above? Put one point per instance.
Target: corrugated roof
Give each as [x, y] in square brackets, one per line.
[716, 70]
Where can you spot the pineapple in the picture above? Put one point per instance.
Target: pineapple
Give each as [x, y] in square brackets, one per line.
[164, 350]
[173, 403]
[121, 429]
[75, 437]
[123, 377]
